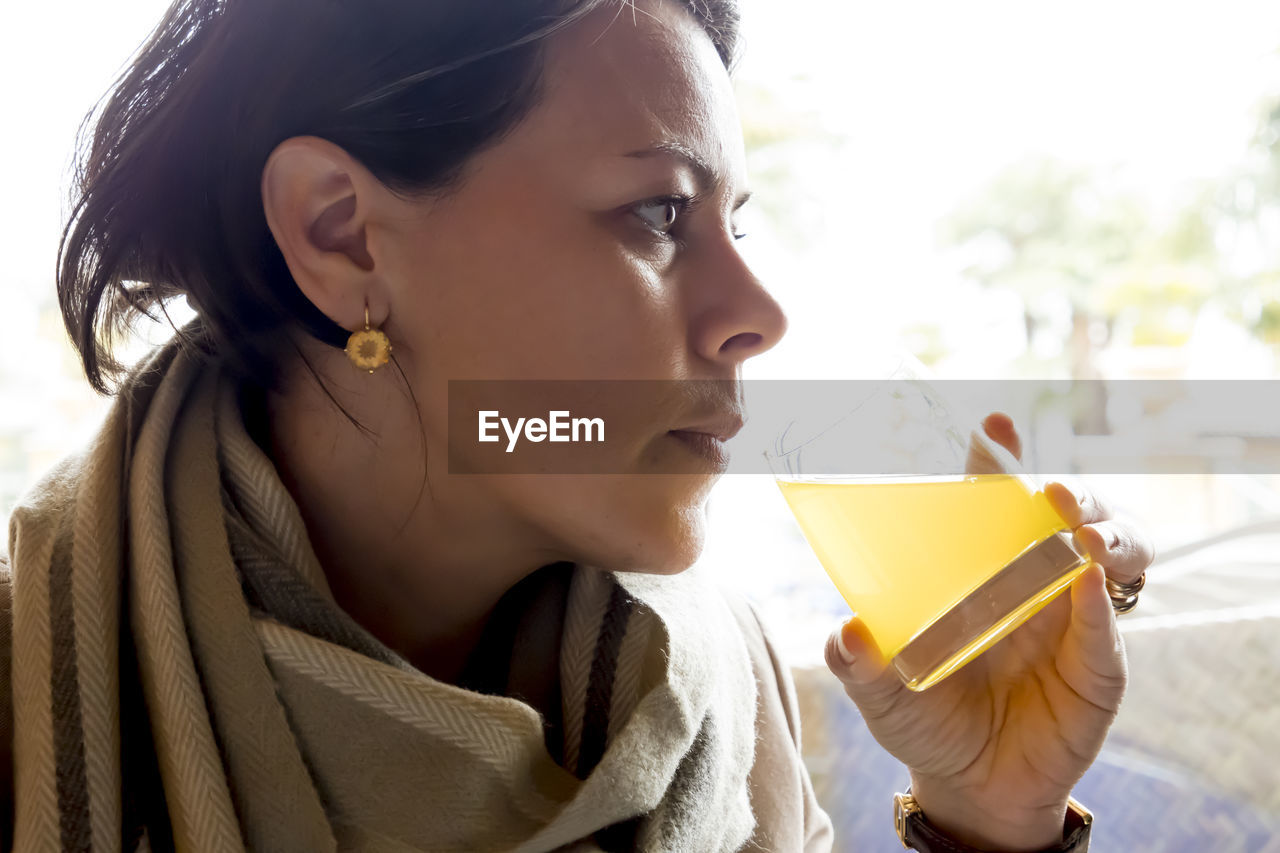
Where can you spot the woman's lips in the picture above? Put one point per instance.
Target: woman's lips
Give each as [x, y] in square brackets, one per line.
[707, 446]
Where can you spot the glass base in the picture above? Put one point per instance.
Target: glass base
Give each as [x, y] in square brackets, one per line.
[1009, 598]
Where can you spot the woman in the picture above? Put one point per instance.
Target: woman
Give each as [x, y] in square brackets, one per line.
[259, 612]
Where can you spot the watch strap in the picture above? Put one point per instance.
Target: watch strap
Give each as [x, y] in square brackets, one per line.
[916, 833]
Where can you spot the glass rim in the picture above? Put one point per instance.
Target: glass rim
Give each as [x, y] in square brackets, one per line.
[904, 363]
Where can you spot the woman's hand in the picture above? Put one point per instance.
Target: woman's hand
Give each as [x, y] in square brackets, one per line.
[995, 749]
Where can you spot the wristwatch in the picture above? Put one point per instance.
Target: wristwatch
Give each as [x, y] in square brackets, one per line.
[916, 833]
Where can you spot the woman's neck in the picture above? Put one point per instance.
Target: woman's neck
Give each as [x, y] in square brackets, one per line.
[421, 567]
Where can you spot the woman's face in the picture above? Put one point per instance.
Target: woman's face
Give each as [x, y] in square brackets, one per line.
[571, 251]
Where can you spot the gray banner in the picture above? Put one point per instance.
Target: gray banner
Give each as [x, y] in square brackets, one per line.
[860, 428]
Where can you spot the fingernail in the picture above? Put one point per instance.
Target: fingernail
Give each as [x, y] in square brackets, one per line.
[845, 654]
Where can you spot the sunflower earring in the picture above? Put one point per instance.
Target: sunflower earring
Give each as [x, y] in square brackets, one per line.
[368, 348]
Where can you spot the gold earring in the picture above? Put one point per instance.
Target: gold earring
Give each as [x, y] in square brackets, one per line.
[368, 348]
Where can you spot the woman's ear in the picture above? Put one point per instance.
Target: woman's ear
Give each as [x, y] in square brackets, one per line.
[316, 200]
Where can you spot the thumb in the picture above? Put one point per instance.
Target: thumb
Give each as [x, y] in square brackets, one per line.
[853, 657]
[1092, 657]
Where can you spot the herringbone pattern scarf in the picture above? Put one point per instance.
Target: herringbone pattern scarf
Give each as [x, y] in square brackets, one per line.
[183, 678]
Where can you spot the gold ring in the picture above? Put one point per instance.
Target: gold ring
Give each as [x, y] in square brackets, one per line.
[1124, 596]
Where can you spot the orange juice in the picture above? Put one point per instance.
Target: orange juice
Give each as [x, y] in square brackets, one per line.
[986, 549]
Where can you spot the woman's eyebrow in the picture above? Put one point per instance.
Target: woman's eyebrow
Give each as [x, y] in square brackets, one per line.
[705, 175]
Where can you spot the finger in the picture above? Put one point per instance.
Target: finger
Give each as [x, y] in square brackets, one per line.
[993, 448]
[853, 657]
[1124, 551]
[1000, 426]
[1091, 660]
[1078, 505]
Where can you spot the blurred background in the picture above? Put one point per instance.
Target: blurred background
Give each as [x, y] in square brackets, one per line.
[1005, 189]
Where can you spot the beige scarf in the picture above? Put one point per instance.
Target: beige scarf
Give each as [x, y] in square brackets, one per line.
[184, 680]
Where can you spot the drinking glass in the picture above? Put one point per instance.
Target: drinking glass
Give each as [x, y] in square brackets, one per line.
[933, 533]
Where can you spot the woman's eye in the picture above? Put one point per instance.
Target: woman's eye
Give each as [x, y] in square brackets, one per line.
[660, 214]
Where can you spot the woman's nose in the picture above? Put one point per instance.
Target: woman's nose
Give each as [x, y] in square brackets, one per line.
[733, 316]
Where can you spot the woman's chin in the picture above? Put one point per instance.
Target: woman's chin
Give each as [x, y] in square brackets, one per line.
[655, 525]
[666, 545]
[672, 563]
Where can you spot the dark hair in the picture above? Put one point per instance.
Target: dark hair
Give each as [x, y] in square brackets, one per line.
[167, 197]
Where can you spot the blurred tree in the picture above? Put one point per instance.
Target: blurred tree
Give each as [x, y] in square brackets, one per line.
[1249, 203]
[1070, 239]
[1051, 232]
